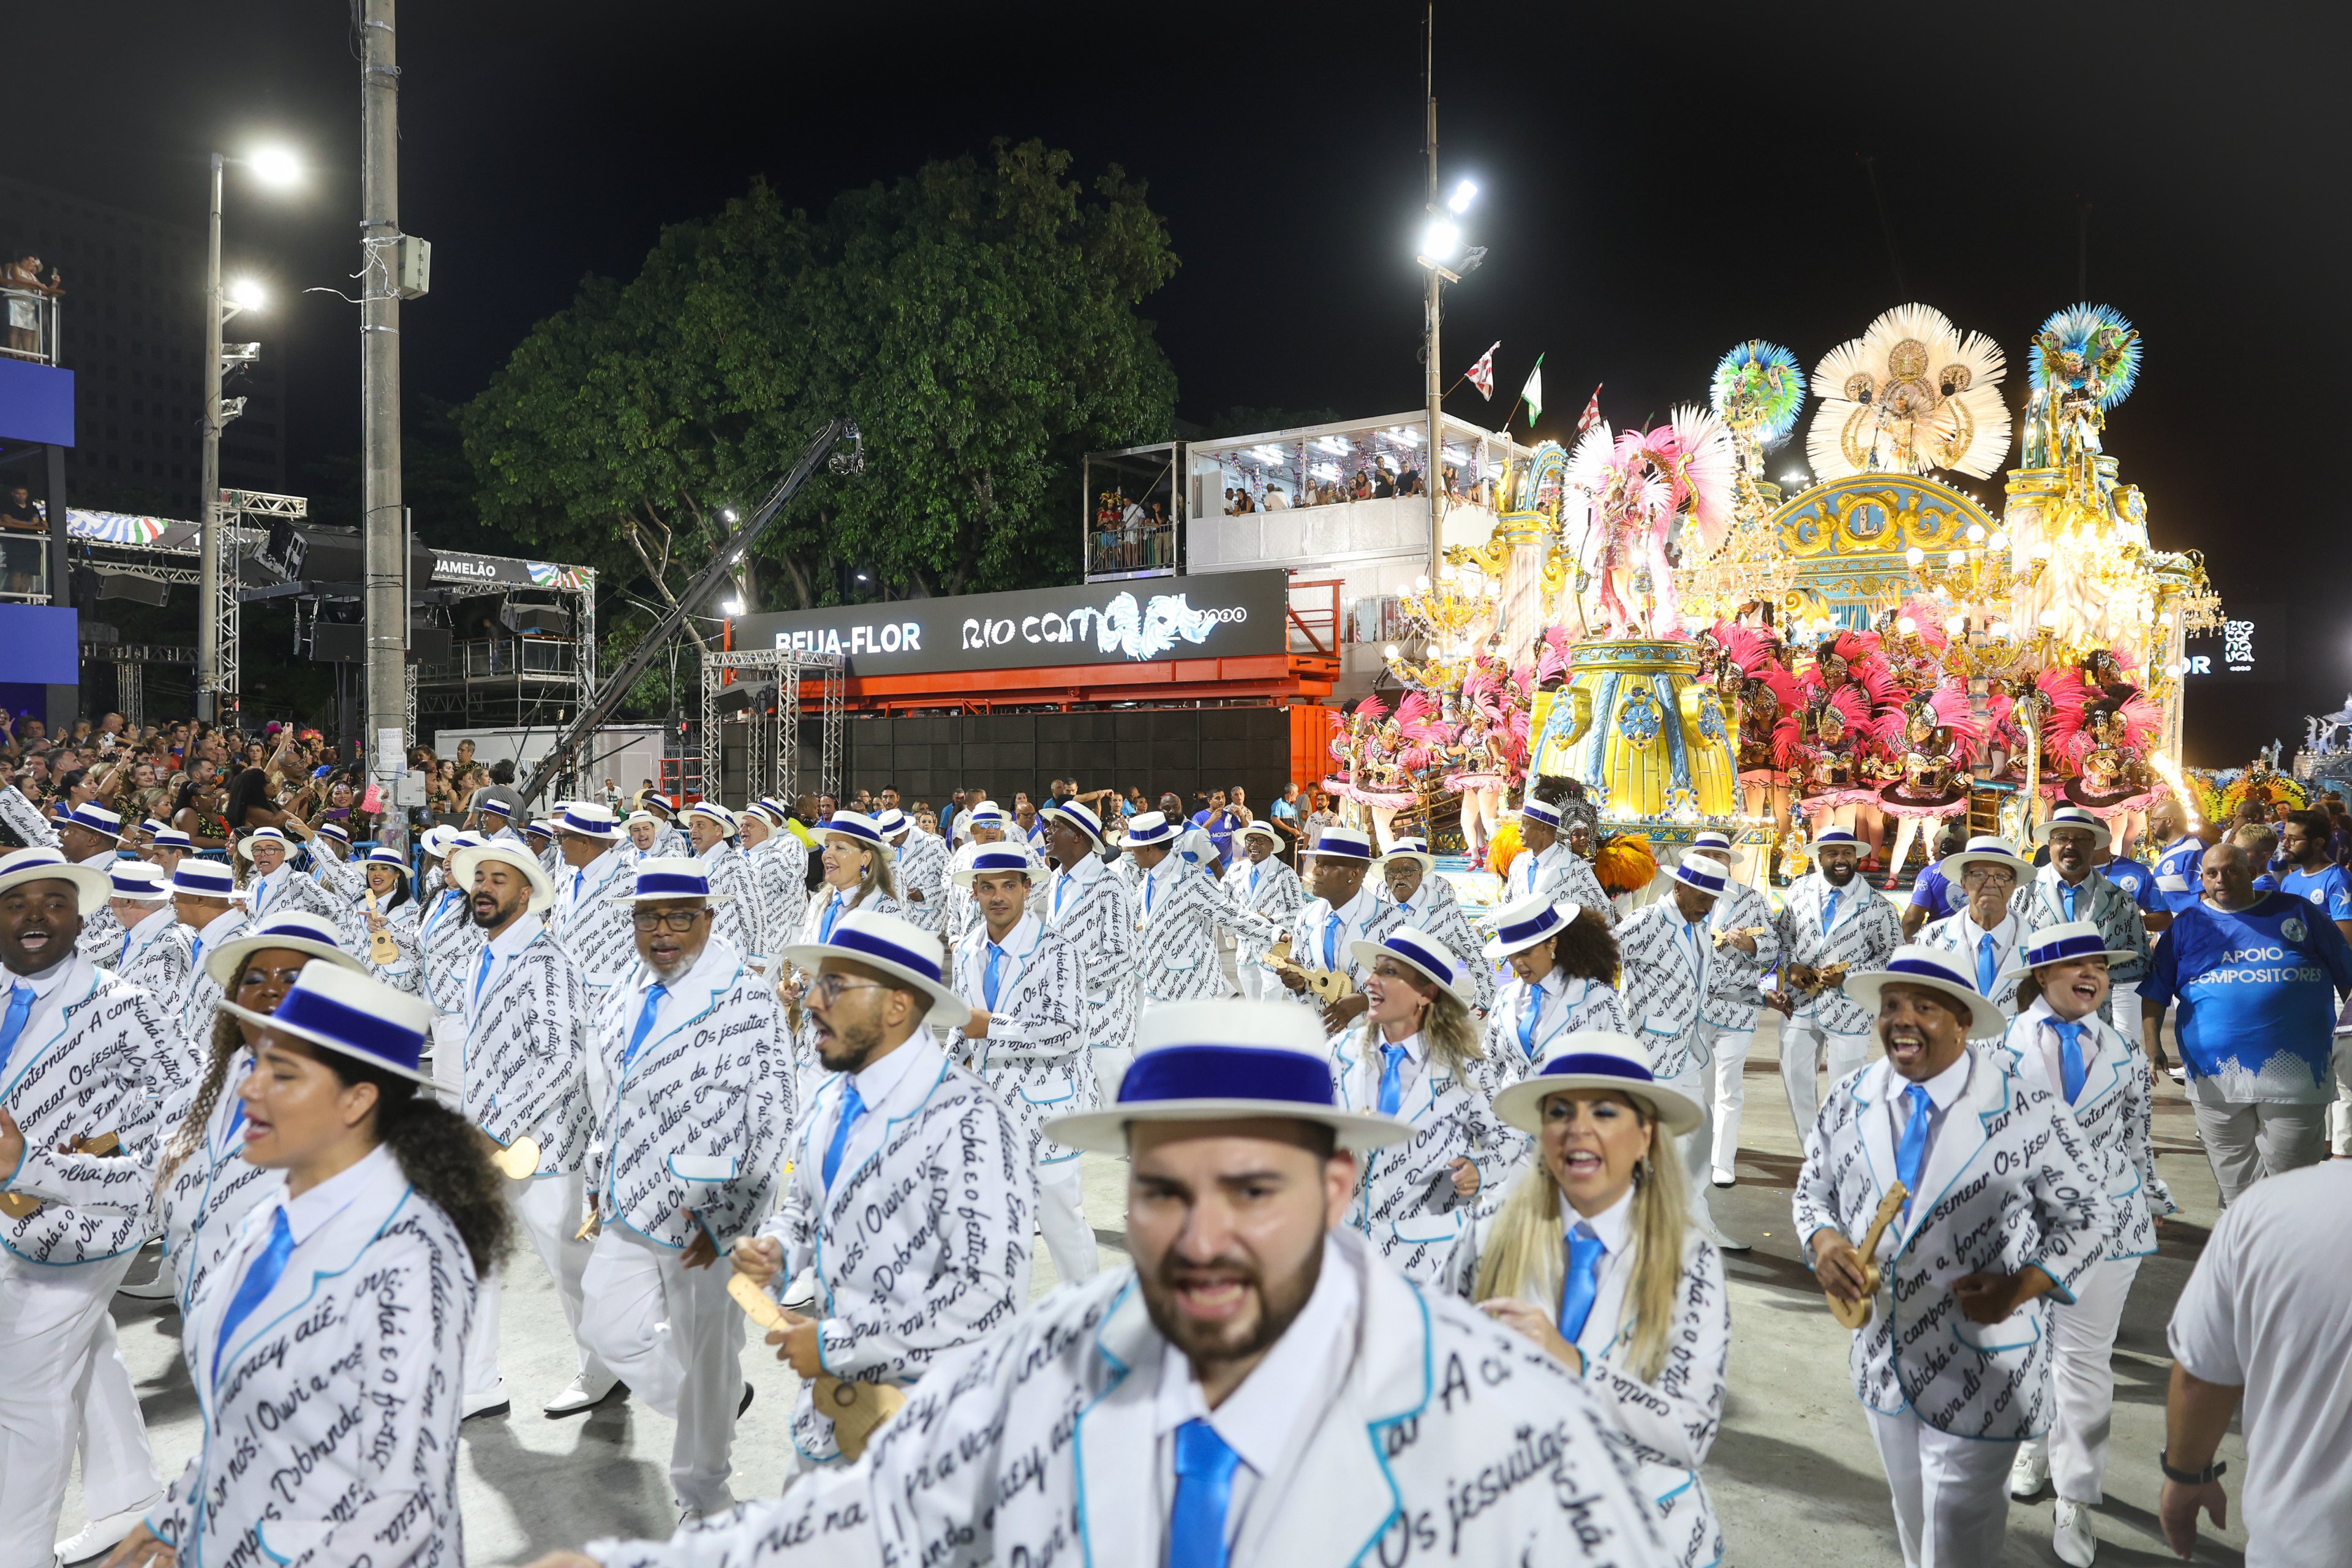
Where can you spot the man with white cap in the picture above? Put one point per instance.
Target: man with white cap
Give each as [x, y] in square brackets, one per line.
[154, 950]
[2006, 1204]
[539, 837]
[778, 861]
[1428, 901]
[274, 886]
[90, 835]
[79, 1050]
[526, 1086]
[1179, 909]
[2059, 1043]
[1255, 1388]
[921, 864]
[1094, 907]
[591, 920]
[1747, 947]
[166, 846]
[206, 901]
[332, 865]
[644, 831]
[1831, 923]
[909, 1194]
[693, 1101]
[2071, 888]
[451, 945]
[1260, 882]
[1984, 931]
[1668, 950]
[1026, 1037]
[711, 830]
[1343, 911]
[1549, 869]
[668, 840]
[494, 815]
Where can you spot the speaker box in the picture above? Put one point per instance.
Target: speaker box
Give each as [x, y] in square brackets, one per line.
[138, 590]
[333, 644]
[533, 620]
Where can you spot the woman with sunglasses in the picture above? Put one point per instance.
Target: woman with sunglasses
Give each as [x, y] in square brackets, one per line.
[1592, 1256]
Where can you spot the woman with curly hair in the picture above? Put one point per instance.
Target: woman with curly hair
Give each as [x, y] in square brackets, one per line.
[329, 1341]
[1563, 964]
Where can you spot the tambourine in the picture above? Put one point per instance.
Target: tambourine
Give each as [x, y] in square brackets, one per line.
[1856, 1313]
[856, 1409]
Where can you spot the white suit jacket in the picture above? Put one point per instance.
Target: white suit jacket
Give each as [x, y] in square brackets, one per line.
[406, 969]
[1666, 979]
[1367, 917]
[1569, 1007]
[1864, 935]
[330, 1424]
[592, 924]
[691, 1131]
[808, 1072]
[526, 1051]
[191, 1009]
[2010, 1181]
[1176, 939]
[922, 875]
[1452, 1119]
[2041, 905]
[153, 954]
[1093, 906]
[1037, 1445]
[2115, 1112]
[286, 888]
[918, 1248]
[24, 820]
[1732, 991]
[82, 1069]
[1560, 875]
[1034, 1055]
[779, 881]
[1278, 892]
[452, 946]
[1436, 909]
[1671, 1421]
[203, 1201]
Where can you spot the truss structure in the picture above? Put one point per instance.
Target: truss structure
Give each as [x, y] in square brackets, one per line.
[771, 752]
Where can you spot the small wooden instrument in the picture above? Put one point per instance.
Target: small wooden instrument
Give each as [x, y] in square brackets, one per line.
[381, 947]
[1328, 985]
[518, 1160]
[857, 1409]
[17, 1205]
[1854, 1314]
[1730, 932]
[1826, 978]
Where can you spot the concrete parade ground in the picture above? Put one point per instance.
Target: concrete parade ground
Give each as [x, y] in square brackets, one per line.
[1794, 1476]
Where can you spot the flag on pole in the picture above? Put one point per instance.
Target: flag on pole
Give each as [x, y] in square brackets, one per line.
[1591, 411]
[1482, 374]
[1532, 393]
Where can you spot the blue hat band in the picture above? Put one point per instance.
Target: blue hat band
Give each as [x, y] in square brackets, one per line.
[130, 887]
[1543, 922]
[858, 831]
[1344, 846]
[1406, 948]
[204, 881]
[883, 948]
[1541, 813]
[2063, 948]
[1837, 835]
[672, 885]
[1927, 971]
[1154, 835]
[999, 860]
[361, 1032]
[1079, 814]
[1698, 877]
[1227, 1072]
[1597, 1064]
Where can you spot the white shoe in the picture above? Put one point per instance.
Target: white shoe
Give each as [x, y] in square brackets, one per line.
[1725, 1179]
[490, 1401]
[2071, 1538]
[2029, 1471]
[584, 1392]
[163, 1286]
[100, 1536]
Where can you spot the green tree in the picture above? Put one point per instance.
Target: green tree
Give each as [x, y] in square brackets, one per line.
[978, 319]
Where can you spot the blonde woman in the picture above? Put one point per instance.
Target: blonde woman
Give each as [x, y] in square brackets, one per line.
[1414, 1058]
[1563, 964]
[858, 860]
[1591, 1255]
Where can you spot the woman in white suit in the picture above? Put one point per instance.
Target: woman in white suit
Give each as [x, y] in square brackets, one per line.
[326, 1348]
[1592, 1256]
[2059, 1041]
[1563, 963]
[858, 874]
[387, 875]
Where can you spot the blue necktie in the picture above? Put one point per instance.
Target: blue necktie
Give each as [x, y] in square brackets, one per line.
[482, 973]
[653, 994]
[852, 1108]
[1986, 971]
[197, 956]
[20, 1008]
[1061, 881]
[125, 953]
[2066, 891]
[1829, 912]
[1253, 872]
[1204, 1491]
[260, 1278]
[2071, 1067]
[578, 877]
[1528, 1014]
[832, 913]
[1332, 944]
[1914, 1147]
[988, 980]
[1392, 1080]
[1148, 885]
[1576, 1298]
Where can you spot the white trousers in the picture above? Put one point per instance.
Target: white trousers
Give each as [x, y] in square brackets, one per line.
[1951, 1496]
[548, 1209]
[449, 1057]
[1726, 1092]
[1062, 1216]
[118, 1469]
[1692, 1146]
[1805, 1047]
[1110, 1064]
[53, 1328]
[2083, 1380]
[671, 1333]
[2245, 1141]
[1253, 980]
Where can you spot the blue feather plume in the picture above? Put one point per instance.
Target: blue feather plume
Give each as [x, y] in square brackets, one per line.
[1771, 374]
[2087, 339]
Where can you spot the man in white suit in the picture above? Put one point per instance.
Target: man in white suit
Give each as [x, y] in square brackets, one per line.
[1984, 931]
[1179, 909]
[1092, 905]
[2006, 1204]
[1344, 911]
[1747, 946]
[1831, 923]
[1260, 882]
[1547, 868]
[1428, 902]
[591, 918]
[1256, 1388]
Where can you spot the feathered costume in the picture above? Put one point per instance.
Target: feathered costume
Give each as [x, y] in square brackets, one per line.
[1626, 492]
[1908, 395]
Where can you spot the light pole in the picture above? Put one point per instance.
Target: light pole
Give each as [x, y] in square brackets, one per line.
[272, 167]
[1440, 243]
[384, 269]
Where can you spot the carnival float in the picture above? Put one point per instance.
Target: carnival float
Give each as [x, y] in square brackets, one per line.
[1658, 637]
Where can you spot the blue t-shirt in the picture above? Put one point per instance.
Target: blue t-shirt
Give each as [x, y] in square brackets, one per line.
[2176, 872]
[2266, 883]
[2257, 993]
[1933, 893]
[2327, 889]
[2138, 880]
[1284, 808]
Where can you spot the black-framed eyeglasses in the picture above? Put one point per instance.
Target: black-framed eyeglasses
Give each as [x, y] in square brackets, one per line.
[826, 989]
[679, 921]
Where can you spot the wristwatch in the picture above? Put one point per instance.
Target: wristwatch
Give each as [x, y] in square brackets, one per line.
[2210, 1473]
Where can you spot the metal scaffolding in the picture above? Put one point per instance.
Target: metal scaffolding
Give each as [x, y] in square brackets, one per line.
[228, 608]
[771, 752]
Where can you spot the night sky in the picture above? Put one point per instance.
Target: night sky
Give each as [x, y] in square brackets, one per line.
[1659, 183]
